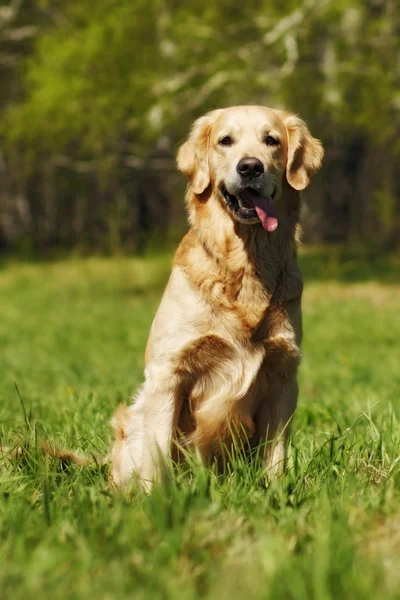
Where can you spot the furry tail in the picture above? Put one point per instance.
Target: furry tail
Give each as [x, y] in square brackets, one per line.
[69, 456]
[66, 456]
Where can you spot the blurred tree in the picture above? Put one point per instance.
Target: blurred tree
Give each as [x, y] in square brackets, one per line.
[110, 87]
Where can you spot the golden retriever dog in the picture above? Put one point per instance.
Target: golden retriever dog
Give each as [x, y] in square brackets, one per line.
[224, 347]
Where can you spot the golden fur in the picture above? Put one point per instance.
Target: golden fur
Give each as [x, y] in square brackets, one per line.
[224, 346]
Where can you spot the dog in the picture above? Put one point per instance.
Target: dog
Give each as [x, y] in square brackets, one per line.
[224, 347]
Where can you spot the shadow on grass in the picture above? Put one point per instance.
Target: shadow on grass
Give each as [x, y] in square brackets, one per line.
[349, 265]
[317, 264]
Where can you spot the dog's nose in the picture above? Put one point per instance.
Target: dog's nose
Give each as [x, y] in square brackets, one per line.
[250, 167]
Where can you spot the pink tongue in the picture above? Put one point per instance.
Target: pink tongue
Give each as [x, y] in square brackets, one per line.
[269, 223]
[263, 206]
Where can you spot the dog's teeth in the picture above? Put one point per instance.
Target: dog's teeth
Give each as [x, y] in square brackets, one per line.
[240, 202]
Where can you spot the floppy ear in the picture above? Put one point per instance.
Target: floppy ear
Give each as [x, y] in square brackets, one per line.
[304, 153]
[192, 157]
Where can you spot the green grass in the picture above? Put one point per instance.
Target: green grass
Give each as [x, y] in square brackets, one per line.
[72, 337]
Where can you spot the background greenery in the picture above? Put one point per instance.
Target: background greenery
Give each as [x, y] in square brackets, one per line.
[95, 97]
[72, 337]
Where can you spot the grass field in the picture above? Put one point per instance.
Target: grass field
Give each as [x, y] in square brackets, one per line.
[72, 336]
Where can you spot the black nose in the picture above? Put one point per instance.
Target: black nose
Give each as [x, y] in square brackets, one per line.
[250, 167]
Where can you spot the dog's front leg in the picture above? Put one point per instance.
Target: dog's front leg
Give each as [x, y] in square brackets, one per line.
[273, 420]
[278, 394]
[160, 416]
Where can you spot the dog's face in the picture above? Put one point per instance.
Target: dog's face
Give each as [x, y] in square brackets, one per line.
[244, 153]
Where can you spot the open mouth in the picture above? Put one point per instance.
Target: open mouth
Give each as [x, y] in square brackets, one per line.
[249, 205]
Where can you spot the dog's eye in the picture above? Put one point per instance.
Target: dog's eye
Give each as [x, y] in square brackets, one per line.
[226, 141]
[271, 141]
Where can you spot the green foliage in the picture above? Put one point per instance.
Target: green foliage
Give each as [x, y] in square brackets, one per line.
[72, 337]
[108, 87]
[120, 69]
[89, 79]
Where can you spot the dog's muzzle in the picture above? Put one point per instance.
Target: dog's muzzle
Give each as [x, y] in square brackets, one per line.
[250, 168]
[250, 206]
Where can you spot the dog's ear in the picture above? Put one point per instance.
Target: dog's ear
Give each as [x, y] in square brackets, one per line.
[192, 157]
[305, 153]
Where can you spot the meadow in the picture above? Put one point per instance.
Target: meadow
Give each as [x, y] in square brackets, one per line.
[72, 338]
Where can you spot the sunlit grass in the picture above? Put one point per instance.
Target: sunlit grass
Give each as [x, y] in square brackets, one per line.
[72, 338]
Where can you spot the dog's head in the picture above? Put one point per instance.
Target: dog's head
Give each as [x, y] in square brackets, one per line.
[244, 153]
